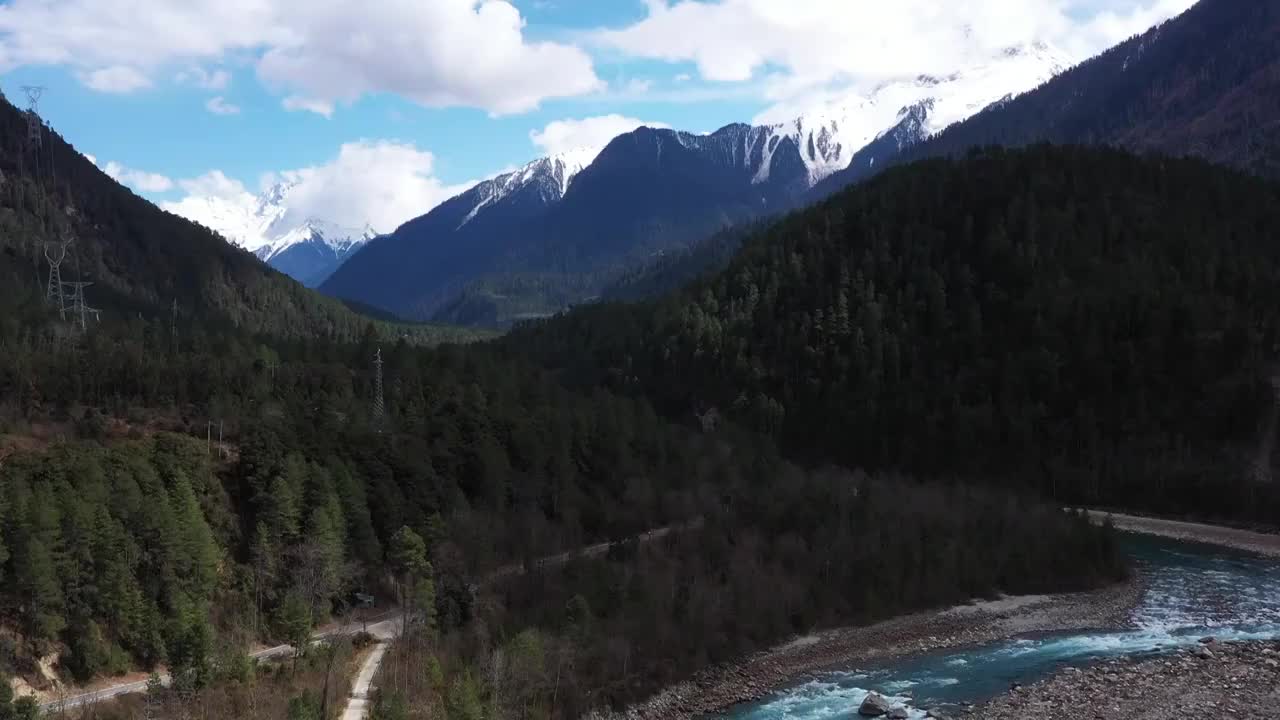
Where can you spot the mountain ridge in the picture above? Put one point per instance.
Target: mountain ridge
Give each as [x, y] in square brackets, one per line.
[650, 191]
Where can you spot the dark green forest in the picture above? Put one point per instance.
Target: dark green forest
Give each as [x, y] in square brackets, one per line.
[1080, 323]
[126, 547]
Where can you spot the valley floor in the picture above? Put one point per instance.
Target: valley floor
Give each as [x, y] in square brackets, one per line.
[1239, 680]
[973, 624]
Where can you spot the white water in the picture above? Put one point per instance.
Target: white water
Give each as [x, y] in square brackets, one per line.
[1192, 591]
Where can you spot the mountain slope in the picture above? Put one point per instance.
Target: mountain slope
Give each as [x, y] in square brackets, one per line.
[1084, 322]
[1206, 83]
[648, 192]
[142, 260]
[305, 248]
[418, 267]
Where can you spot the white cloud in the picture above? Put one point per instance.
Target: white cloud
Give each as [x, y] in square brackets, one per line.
[120, 79]
[592, 132]
[91, 158]
[219, 106]
[819, 42]
[138, 179]
[214, 184]
[201, 78]
[294, 103]
[436, 52]
[382, 183]
[638, 86]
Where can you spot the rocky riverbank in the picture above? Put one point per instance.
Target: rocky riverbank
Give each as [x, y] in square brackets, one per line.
[968, 625]
[1236, 680]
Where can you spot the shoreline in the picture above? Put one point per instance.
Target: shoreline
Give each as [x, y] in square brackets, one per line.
[718, 690]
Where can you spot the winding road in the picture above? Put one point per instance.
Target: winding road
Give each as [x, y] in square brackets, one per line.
[88, 698]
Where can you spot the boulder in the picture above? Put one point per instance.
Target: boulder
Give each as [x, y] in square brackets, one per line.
[898, 713]
[874, 705]
[1204, 653]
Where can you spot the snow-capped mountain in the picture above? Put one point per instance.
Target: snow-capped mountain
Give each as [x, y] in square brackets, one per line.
[548, 176]
[585, 214]
[306, 248]
[908, 110]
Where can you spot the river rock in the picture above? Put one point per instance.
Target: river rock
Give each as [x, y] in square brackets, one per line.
[874, 705]
[898, 713]
[1204, 653]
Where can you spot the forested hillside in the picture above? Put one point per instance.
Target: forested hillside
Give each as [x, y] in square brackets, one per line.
[141, 259]
[127, 542]
[1081, 322]
[1206, 83]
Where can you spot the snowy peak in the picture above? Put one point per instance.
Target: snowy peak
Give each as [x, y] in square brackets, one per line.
[549, 176]
[341, 240]
[265, 224]
[271, 229]
[828, 136]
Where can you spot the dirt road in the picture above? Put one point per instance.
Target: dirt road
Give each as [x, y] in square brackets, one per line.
[1261, 543]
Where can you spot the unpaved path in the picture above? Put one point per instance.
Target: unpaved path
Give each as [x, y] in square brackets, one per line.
[359, 702]
[1261, 543]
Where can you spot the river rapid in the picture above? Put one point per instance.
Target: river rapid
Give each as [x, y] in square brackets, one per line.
[1191, 591]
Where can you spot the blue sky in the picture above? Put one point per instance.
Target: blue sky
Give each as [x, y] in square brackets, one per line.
[186, 88]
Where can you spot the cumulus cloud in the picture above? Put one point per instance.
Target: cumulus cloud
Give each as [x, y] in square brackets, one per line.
[381, 183]
[119, 79]
[435, 52]
[219, 106]
[137, 179]
[819, 42]
[592, 133]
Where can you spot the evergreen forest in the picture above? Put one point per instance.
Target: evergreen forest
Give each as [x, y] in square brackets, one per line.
[1080, 323]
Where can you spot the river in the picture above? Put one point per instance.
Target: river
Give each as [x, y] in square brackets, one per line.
[1191, 591]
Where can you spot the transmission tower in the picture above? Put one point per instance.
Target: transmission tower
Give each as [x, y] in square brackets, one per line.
[80, 311]
[55, 253]
[379, 411]
[35, 127]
